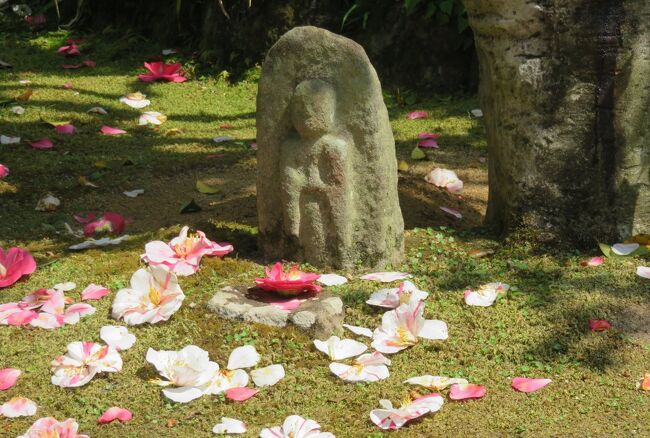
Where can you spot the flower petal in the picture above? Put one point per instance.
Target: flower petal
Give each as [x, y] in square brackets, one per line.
[361, 331]
[466, 391]
[386, 277]
[8, 378]
[115, 413]
[243, 357]
[240, 394]
[332, 279]
[599, 325]
[94, 292]
[229, 426]
[643, 271]
[18, 407]
[524, 384]
[268, 376]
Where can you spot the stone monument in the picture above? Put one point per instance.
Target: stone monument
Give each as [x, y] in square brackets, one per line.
[327, 171]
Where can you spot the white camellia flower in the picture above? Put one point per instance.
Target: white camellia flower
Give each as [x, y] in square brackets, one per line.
[400, 328]
[339, 349]
[188, 370]
[446, 179]
[435, 383]
[154, 296]
[486, 295]
[117, 337]
[135, 100]
[295, 426]
[390, 418]
[152, 117]
[233, 376]
[369, 367]
[229, 426]
[393, 297]
[268, 376]
[82, 362]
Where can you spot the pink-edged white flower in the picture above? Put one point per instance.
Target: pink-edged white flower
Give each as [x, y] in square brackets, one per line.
[446, 179]
[643, 271]
[369, 367]
[486, 295]
[183, 254]
[233, 376]
[154, 296]
[50, 427]
[460, 391]
[8, 378]
[229, 426]
[361, 331]
[117, 337]
[268, 376]
[524, 384]
[115, 413]
[386, 277]
[94, 292]
[400, 328]
[338, 349]
[82, 362]
[394, 297]
[135, 100]
[295, 426]
[435, 383]
[390, 418]
[18, 407]
[187, 370]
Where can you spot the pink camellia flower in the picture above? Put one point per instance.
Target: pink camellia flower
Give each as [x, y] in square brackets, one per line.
[446, 179]
[390, 418]
[8, 378]
[94, 292]
[594, 261]
[160, 71]
[428, 143]
[425, 135]
[72, 49]
[417, 115]
[293, 282]
[466, 391]
[183, 254]
[523, 384]
[15, 263]
[4, 171]
[51, 427]
[65, 129]
[599, 325]
[295, 426]
[18, 407]
[109, 130]
[240, 394]
[43, 143]
[115, 413]
[82, 362]
[108, 223]
[400, 328]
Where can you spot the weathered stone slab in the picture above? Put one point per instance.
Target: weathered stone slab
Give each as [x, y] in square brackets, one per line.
[321, 315]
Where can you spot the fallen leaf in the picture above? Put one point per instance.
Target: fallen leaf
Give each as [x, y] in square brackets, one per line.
[478, 253]
[403, 166]
[173, 131]
[84, 182]
[206, 188]
[418, 154]
[226, 126]
[190, 207]
[24, 97]
[171, 422]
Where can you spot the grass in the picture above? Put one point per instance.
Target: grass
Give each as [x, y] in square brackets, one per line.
[539, 330]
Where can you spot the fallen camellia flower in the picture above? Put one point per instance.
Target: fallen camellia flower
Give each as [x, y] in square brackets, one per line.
[109, 130]
[486, 295]
[644, 384]
[599, 325]
[160, 71]
[152, 117]
[48, 203]
[71, 49]
[94, 292]
[117, 337]
[594, 261]
[229, 426]
[18, 407]
[394, 297]
[338, 349]
[332, 279]
[240, 393]
[183, 254]
[233, 377]
[386, 277]
[188, 370]
[435, 383]
[15, 263]
[643, 271]
[417, 115]
[295, 426]
[293, 282]
[153, 296]
[8, 378]
[361, 331]
[4, 171]
[369, 367]
[460, 391]
[108, 223]
[51, 427]
[7, 139]
[446, 179]
[82, 362]
[115, 413]
[43, 143]
[400, 328]
[65, 129]
[453, 212]
[524, 384]
[268, 376]
[135, 100]
[390, 418]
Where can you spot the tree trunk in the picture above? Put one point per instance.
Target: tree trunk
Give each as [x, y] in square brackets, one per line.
[565, 89]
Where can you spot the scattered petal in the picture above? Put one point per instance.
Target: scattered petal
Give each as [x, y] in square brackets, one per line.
[643, 271]
[134, 193]
[7, 139]
[222, 139]
[65, 129]
[477, 113]
[599, 325]
[95, 243]
[386, 277]
[109, 130]
[43, 143]
[4, 171]
[524, 384]
[18, 407]
[98, 110]
[8, 378]
[240, 394]
[338, 349]
[466, 391]
[428, 143]
[453, 212]
[115, 413]
[390, 418]
[435, 383]
[48, 203]
[594, 261]
[486, 295]
[243, 357]
[15, 263]
[268, 376]
[417, 115]
[17, 110]
[624, 249]
[152, 117]
[229, 426]
[332, 279]
[117, 337]
[361, 331]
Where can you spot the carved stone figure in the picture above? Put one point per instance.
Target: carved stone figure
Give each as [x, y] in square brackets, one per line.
[327, 174]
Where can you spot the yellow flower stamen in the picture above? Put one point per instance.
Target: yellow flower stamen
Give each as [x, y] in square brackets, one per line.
[155, 296]
[3, 270]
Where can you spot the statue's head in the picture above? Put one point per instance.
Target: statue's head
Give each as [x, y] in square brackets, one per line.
[312, 108]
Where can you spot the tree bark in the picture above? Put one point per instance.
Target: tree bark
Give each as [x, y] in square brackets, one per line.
[565, 89]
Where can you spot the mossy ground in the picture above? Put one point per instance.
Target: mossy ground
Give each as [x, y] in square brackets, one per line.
[540, 330]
